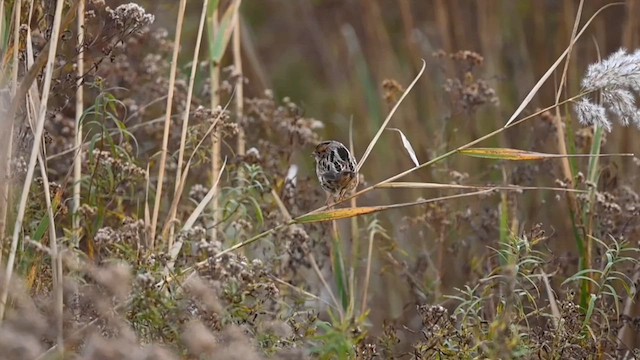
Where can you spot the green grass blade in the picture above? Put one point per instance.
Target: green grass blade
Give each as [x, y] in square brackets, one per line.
[339, 273]
[211, 12]
[218, 45]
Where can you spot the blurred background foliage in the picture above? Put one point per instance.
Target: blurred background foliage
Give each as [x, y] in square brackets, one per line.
[331, 57]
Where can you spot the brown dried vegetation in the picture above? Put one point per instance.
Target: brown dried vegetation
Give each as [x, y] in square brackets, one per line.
[492, 278]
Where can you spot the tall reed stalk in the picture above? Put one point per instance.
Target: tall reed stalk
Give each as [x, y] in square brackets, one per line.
[77, 161]
[46, 88]
[167, 123]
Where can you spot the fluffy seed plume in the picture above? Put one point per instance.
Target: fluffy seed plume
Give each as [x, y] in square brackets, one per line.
[618, 80]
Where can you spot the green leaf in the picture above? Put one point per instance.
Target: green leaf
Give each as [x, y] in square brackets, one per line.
[41, 229]
[218, 45]
[592, 303]
[211, 12]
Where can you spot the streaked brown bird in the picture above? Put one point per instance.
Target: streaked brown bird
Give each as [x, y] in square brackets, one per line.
[336, 169]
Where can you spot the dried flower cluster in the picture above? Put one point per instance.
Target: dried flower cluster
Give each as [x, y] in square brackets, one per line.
[130, 15]
[467, 91]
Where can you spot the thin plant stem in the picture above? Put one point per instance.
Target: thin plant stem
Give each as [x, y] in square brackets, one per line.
[77, 162]
[167, 122]
[56, 266]
[237, 62]
[367, 276]
[46, 88]
[314, 264]
[185, 117]
[355, 250]
[216, 141]
[6, 161]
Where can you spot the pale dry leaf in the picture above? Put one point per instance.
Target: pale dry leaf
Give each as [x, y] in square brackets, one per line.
[407, 146]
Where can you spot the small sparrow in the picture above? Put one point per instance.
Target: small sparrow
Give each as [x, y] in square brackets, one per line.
[336, 169]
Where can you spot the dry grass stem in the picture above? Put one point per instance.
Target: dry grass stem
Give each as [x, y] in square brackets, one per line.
[185, 118]
[46, 88]
[167, 122]
[77, 163]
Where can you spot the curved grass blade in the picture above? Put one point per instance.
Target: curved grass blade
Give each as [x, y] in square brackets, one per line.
[386, 121]
[407, 146]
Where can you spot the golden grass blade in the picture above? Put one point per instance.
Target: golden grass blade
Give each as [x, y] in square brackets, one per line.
[553, 67]
[386, 121]
[337, 214]
[522, 155]
[407, 146]
[504, 154]
[167, 121]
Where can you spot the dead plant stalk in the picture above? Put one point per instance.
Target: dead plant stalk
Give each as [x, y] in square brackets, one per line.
[46, 88]
[167, 123]
[185, 117]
